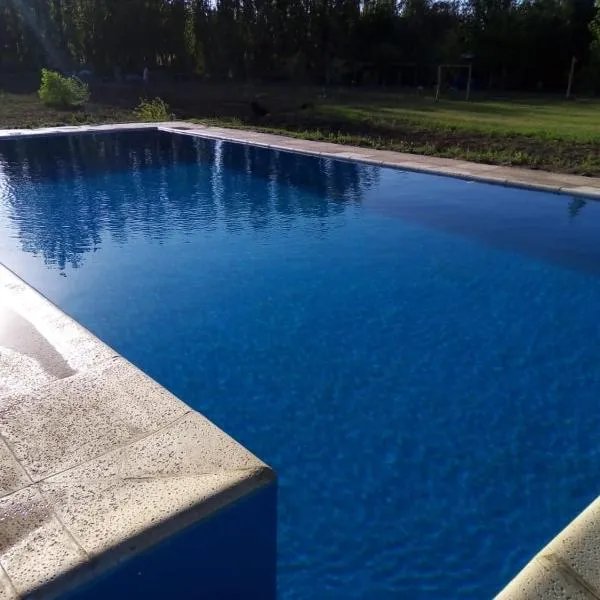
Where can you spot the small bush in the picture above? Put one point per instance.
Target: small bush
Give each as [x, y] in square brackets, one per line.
[63, 92]
[153, 110]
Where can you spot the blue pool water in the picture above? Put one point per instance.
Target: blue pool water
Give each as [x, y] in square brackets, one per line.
[416, 356]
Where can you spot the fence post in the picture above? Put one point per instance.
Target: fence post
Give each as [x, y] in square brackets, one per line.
[571, 73]
[469, 82]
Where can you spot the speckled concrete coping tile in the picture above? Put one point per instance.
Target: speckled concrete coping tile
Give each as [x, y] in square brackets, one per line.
[568, 567]
[97, 461]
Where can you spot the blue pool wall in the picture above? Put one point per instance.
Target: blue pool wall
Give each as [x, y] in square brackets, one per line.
[229, 555]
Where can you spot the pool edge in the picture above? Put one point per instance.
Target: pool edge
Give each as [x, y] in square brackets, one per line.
[129, 466]
[543, 181]
[567, 567]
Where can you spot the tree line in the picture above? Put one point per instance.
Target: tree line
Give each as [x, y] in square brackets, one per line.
[512, 44]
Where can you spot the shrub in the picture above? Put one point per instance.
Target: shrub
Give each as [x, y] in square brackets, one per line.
[63, 92]
[153, 110]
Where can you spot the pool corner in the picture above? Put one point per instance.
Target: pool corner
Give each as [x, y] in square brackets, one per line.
[102, 468]
[566, 568]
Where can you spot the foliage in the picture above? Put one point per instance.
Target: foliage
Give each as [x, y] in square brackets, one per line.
[594, 65]
[515, 44]
[153, 110]
[62, 92]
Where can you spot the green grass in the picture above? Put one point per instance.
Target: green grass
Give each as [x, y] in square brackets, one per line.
[541, 118]
[529, 131]
[535, 132]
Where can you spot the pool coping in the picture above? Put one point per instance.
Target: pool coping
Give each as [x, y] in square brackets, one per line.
[545, 181]
[567, 567]
[569, 563]
[98, 462]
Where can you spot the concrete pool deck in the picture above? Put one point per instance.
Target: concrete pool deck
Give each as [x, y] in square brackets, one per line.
[567, 568]
[98, 463]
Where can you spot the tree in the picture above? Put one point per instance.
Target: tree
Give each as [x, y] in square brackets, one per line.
[516, 43]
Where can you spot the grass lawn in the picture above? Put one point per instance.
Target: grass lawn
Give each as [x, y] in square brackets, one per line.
[538, 116]
[537, 132]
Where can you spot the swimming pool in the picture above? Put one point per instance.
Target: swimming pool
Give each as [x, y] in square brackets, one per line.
[416, 356]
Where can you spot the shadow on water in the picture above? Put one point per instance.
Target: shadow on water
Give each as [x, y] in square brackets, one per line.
[64, 193]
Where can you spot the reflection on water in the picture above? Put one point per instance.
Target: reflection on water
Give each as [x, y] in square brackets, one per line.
[61, 195]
